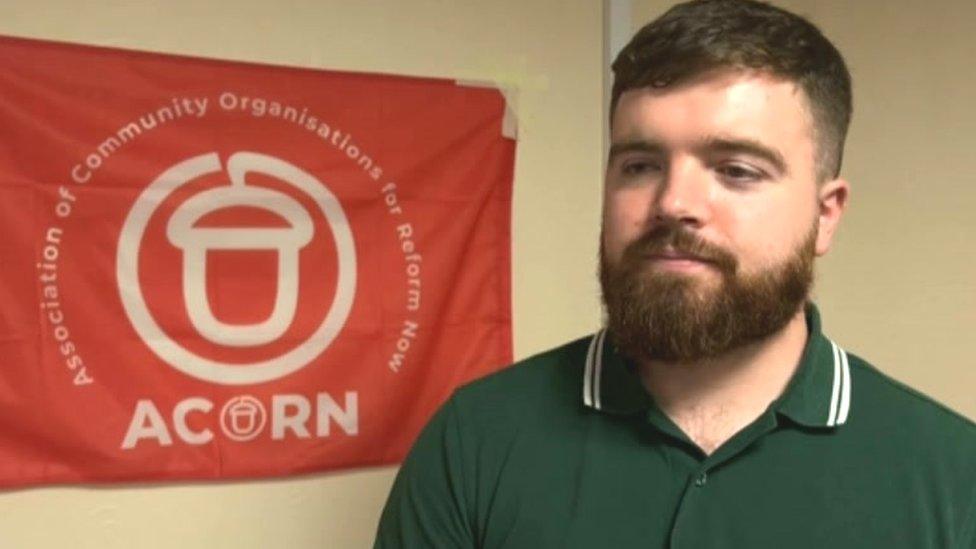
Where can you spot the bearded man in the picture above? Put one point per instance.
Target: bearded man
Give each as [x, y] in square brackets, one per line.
[712, 411]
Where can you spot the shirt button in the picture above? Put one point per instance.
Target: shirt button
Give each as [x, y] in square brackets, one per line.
[701, 479]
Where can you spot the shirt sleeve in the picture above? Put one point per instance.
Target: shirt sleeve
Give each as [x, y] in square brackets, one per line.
[427, 506]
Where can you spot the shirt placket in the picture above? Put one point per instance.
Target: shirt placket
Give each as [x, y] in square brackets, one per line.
[686, 530]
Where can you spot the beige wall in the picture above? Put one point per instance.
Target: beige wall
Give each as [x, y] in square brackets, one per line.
[550, 50]
[899, 287]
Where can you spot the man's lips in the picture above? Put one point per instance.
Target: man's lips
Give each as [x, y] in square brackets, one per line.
[677, 260]
[675, 256]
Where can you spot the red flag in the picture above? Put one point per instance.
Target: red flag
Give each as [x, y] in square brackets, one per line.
[215, 269]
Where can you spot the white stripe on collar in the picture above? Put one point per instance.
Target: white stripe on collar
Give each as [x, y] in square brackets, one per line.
[845, 398]
[598, 373]
[593, 370]
[840, 395]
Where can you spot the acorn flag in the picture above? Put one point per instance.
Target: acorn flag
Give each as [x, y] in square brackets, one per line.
[215, 269]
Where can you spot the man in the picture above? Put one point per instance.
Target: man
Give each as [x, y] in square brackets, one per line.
[712, 411]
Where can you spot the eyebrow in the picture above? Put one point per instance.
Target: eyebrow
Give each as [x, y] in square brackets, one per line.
[751, 147]
[710, 145]
[637, 145]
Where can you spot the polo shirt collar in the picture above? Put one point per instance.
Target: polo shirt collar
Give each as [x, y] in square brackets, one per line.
[818, 395]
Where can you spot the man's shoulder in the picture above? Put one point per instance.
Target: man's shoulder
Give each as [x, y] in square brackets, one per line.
[894, 408]
[548, 381]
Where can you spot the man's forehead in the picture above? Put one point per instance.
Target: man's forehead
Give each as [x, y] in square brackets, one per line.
[724, 94]
[749, 106]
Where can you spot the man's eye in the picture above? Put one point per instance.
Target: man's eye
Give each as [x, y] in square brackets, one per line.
[639, 167]
[740, 174]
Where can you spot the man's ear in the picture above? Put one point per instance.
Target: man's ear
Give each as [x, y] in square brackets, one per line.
[832, 201]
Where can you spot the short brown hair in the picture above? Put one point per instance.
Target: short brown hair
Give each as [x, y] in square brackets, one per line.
[703, 35]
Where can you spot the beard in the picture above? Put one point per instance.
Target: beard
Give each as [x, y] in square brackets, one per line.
[654, 314]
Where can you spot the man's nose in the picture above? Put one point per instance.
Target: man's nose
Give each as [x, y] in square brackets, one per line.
[685, 194]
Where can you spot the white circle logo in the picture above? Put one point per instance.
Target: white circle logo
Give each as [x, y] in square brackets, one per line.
[194, 243]
[242, 418]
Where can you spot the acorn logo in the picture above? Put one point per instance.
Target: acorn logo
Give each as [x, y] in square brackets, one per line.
[194, 243]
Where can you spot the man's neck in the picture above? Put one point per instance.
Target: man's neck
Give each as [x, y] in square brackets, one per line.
[712, 400]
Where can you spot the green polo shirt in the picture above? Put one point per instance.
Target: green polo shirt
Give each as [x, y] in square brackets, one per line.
[566, 449]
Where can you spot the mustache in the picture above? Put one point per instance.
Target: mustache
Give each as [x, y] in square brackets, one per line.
[674, 236]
